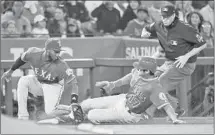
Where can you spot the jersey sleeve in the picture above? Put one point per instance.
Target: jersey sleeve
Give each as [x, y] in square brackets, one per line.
[158, 96]
[191, 35]
[27, 55]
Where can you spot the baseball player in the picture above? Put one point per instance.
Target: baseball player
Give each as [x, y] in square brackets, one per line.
[145, 91]
[52, 76]
[181, 44]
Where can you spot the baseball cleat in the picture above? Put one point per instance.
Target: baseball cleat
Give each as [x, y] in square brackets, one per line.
[178, 122]
[179, 112]
[49, 121]
[23, 118]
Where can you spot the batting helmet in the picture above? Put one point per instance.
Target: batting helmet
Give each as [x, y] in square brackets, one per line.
[148, 63]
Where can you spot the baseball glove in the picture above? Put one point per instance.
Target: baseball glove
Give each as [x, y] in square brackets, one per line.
[60, 110]
[64, 114]
[77, 113]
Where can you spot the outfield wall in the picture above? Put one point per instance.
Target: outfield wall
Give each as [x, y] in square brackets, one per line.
[95, 47]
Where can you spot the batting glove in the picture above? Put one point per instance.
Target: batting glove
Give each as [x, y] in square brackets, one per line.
[108, 86]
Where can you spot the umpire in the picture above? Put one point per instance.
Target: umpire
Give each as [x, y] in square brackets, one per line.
[181, 44]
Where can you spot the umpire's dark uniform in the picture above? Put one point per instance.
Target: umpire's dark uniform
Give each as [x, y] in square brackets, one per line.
[177, 39]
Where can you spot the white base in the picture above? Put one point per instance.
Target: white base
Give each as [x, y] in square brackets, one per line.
[93, 128]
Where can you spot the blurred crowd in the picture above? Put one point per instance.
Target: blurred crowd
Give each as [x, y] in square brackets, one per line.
[83, 18]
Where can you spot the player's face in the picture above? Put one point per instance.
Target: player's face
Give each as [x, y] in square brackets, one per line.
[57, 53]
[167, 20]
[53, 55]
[143, 72]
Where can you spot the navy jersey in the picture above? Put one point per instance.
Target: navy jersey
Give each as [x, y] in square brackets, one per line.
[177, 39]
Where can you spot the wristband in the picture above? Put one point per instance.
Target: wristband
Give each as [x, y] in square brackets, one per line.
[19, 62]
[112, 85]
[74, 98]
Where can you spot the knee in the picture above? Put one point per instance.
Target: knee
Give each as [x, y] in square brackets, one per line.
[86, 105]
[49, 110]
[23, 81]
[163, 79]
[92, 116]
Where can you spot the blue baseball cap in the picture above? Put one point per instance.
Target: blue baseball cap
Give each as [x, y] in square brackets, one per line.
[53, 44]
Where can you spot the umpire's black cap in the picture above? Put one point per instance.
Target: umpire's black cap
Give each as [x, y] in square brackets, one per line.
[168, 11]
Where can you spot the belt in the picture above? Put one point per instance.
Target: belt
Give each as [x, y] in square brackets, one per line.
[132, 113]
[142, 115]
[48, 82]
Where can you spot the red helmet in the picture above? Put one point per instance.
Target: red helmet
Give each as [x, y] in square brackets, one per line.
[148, 63]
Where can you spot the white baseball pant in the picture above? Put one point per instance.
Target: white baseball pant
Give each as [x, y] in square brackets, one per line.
[109, 109]
[51, 92]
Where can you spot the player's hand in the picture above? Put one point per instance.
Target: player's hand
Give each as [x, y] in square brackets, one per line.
[108, 86]
[7, 75]
[181, 61]
[102, 84]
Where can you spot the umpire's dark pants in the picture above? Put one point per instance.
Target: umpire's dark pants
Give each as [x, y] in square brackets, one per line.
[171, 76]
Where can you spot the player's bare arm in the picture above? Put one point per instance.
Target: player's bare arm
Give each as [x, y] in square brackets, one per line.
[18, 63]
[71, 83]
[68, 79]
